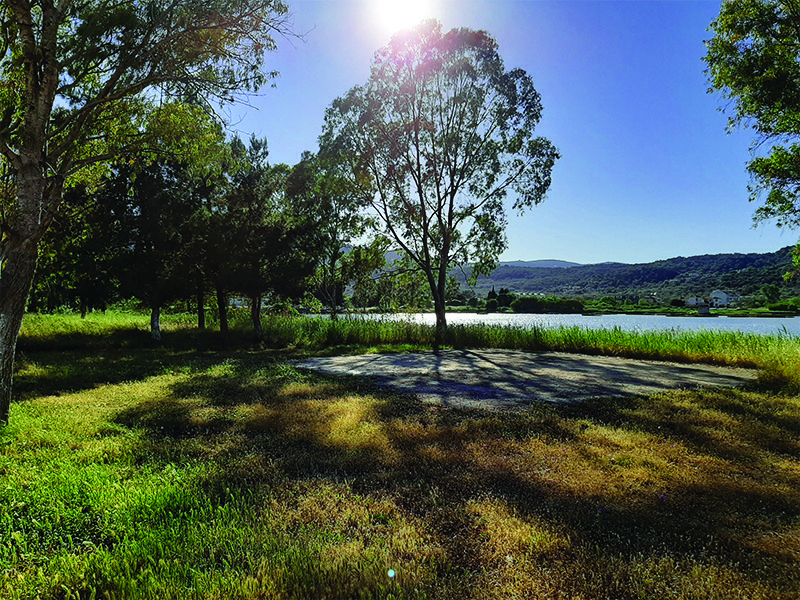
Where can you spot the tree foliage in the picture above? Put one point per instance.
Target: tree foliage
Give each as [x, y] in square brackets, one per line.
[265, 242]
[82, 258]
[346, 252]
[443, 133]
[529, 304]
[78, 257]
[754, 61]
[74, 75]
[77, 72]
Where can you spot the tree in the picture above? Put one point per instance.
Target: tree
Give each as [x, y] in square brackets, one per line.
[505, 298]
[338, 205]
[153, 205]
[77, 256]
[771, 292]
[410, 289]
[443, 133]
[271, 241]
[89, 249]
[73, 75]
[754, 61]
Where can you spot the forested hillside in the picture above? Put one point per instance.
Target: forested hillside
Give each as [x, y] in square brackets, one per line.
[741, 274]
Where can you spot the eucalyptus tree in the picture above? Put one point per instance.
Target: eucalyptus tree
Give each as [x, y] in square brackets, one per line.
[73, 75]
[754, 61]
[443, 133]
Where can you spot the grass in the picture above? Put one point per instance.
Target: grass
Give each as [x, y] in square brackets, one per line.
[222, 472]
[779, 353]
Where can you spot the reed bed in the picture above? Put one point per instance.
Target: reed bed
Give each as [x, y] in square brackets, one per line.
[717, 347]
[778, 355]
[706, 346]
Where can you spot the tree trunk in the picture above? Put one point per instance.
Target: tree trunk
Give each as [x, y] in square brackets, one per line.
[327, 289]
[438, 292]
[15, 286]
[155, 322]
[255, 315]
[201, 308]
[222, 305]
[332, 299]
[83, 307]
[19, 256]
[441, 321]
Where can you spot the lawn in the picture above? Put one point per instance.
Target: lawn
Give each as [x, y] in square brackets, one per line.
[213, 470]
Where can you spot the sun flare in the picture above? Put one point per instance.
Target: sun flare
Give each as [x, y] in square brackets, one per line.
[394, 15]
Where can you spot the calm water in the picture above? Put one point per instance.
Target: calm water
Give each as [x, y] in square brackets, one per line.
[627, 322]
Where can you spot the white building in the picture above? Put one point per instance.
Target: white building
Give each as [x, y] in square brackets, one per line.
[695, 301]
[719, 299]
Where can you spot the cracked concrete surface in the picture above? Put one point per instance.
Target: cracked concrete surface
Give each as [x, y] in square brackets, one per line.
[505, 379]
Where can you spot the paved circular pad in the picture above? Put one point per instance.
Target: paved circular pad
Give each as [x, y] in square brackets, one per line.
[504, 379]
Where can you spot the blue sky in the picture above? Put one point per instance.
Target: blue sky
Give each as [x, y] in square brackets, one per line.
[648, 170]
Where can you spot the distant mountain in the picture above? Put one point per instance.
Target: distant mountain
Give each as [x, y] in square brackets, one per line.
[740, 274]
[544, 264]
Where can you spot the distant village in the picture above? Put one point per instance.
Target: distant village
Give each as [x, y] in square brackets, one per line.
[717, 299]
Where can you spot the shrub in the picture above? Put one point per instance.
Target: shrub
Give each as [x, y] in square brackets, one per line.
[609, 300]
[527, 304]
[786, 306]
[546, 305]
[505, 298]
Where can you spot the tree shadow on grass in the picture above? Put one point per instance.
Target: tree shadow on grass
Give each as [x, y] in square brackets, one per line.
[695, 477]
[54, 373]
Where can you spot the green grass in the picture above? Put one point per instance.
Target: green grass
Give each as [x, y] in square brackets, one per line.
[131, 471]
[130, 330]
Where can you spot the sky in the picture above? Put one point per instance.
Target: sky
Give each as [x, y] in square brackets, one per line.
[647, 169]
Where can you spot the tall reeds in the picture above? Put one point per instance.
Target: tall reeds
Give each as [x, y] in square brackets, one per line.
[777, 353]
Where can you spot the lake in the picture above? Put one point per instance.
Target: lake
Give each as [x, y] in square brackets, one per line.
[759, 325]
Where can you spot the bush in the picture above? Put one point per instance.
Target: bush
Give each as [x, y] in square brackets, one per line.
[609, 301]
[526, 304]
[785, 306]
[505, 298]
[491, 305]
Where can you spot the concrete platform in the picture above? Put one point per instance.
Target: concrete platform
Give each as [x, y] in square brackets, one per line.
[505, 379]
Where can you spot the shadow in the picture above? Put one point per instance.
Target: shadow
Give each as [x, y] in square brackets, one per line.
[515, 380]
[54, 373]
[704, 489]
[176, 339]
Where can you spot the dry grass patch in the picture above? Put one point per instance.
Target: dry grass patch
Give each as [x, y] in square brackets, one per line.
[233, 477]
[510, 534]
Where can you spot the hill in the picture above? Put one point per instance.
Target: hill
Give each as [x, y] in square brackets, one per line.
[562, 264]
[740, 274]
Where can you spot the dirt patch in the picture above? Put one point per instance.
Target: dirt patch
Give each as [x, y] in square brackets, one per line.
[505, 379]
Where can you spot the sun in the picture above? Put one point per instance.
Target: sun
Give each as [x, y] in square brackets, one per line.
[394, 15]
